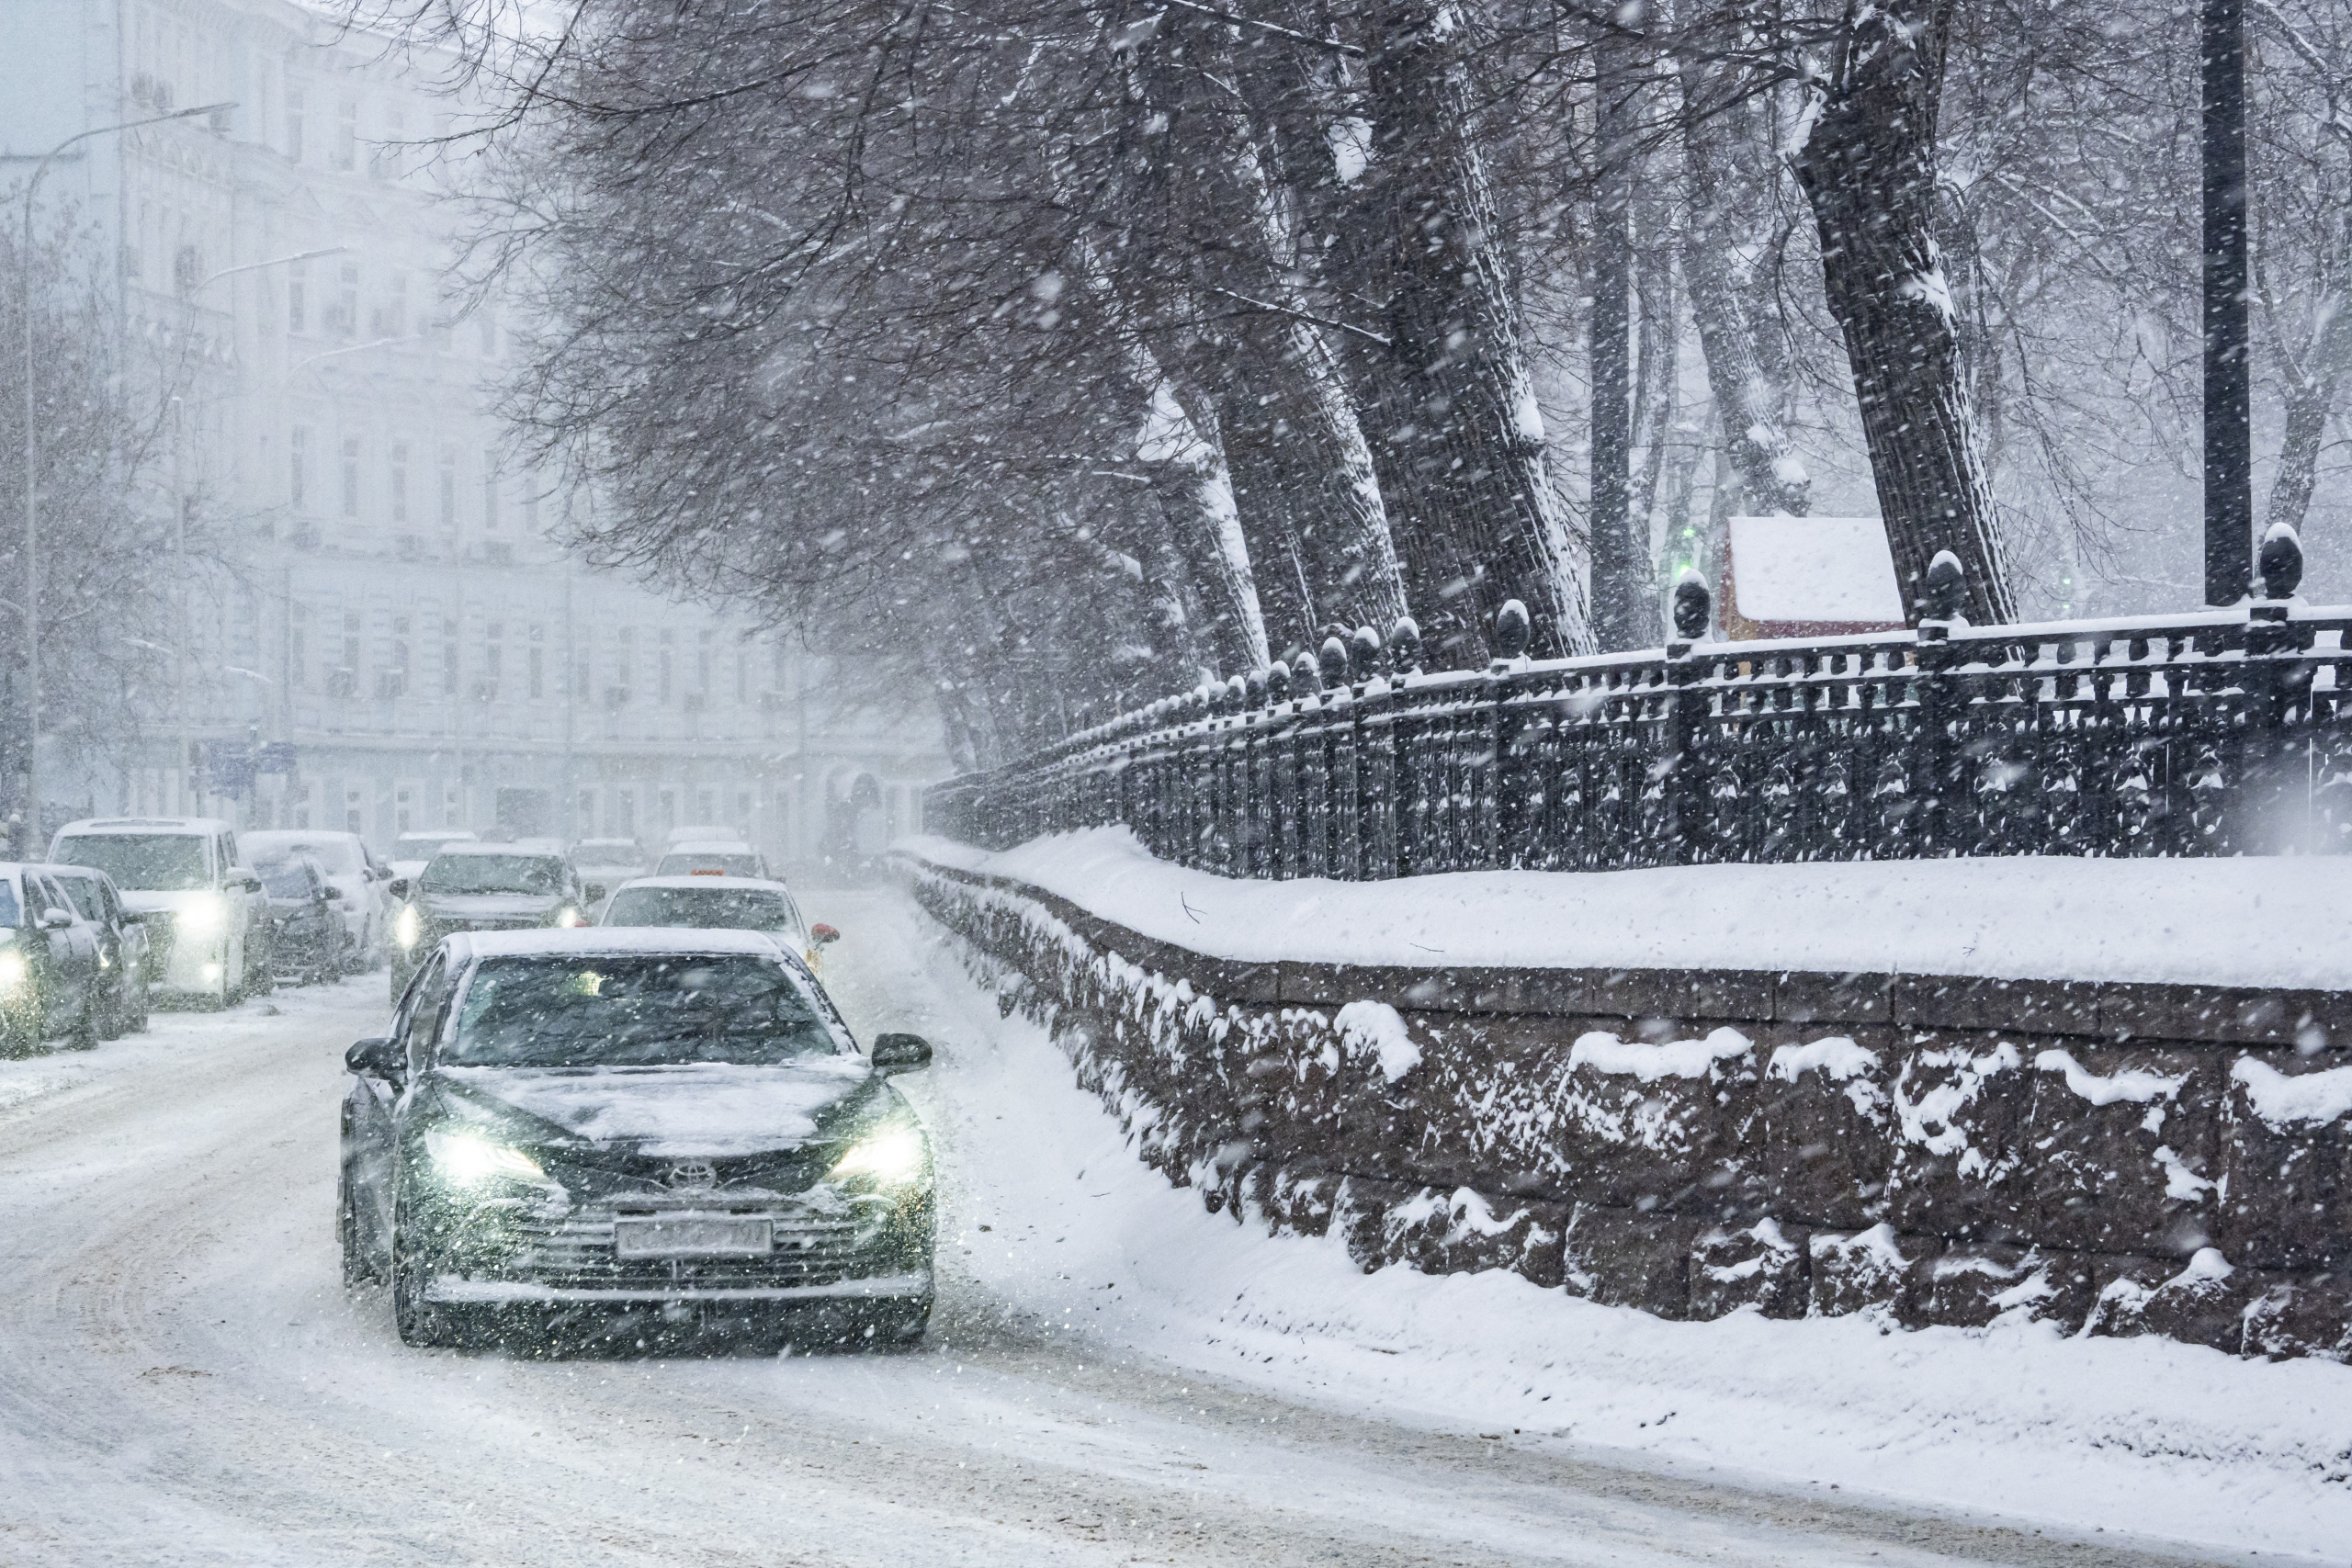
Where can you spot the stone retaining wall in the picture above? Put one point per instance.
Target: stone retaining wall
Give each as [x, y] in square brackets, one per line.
[2111, 1159]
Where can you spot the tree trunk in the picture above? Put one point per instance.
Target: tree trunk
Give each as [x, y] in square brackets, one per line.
[1310, 505]
[1619, 566]
[1478, 523]
[1195, 492]
[1868, 169]
[1772, 481]
[2313, 379]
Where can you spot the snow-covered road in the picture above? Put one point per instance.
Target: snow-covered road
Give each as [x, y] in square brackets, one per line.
[183, 1380]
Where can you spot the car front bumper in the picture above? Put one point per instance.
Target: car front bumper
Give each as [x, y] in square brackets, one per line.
[452, 1289]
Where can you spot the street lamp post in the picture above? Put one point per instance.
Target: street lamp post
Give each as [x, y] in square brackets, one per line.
[31, 847]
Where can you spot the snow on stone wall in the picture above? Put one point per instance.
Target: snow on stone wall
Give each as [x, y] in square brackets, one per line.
[1933, 1172]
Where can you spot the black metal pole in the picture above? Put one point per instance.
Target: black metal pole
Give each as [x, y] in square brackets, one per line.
[2229, 478]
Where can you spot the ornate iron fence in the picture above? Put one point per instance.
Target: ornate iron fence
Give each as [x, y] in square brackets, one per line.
[2211, 733]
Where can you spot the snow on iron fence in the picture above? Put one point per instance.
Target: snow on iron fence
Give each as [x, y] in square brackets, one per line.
[2216, 732]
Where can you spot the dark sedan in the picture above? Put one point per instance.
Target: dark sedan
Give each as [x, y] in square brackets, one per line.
[479, 887]
[623, 1131]
[308, 936]
[125, 977]
[50, 985]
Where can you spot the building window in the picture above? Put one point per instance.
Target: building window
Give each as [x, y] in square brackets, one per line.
[449, 666]
[346, 314]
[391, 317]
[493, 651]
[623, 822]
[665, 677]
[396, 475]
[351, 642]
[293, 127]
[298, 652]
[587, 815]
[702, 666]
[347, 136]
[297, 468]
[351, 476]
[449, 489]
[298, 298]
[538, 673]
[488, 491]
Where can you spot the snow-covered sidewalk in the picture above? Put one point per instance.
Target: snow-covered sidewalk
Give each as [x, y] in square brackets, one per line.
[2277, 922]
[2145, 1437]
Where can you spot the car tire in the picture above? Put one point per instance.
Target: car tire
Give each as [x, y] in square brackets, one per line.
[142, 1014]
[418, 1321]
[359, 1265]
[109, 1021]
[83, 1034]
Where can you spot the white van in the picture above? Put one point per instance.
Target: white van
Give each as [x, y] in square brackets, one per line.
[207, 918]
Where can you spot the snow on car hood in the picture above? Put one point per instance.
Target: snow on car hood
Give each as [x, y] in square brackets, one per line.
[143, 901]
[704, 1109]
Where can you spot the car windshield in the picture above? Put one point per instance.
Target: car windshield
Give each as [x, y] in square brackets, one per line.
[542, 875]
[421, 846]
[735, 908]
[153, 862]
[285, 879]
[607, 855]
[333, 854]
[687, 864]
[639, 1010]
[10, 915]
[83, 892]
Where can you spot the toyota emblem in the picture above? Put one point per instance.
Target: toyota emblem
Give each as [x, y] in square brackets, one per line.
[691, 1173]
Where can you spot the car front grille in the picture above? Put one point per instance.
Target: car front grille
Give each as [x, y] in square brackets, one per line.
[576, 1251]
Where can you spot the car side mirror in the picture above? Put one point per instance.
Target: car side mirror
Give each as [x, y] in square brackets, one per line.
[399, 887]
[333, 890]
[55, 918]
[899, 1052]
[380, 1056]
[824, 935]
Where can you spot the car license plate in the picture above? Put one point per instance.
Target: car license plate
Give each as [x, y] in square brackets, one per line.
[692, 1235]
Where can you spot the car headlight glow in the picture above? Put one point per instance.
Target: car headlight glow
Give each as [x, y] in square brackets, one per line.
[202, 917]
[468, 1159]
[406, 926]
[13, 973]
[570, 916]
[889, 1156]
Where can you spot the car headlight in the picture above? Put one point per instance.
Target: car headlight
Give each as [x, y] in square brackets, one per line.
[570, 917]
[468, 1159]
[201, 918]
[889, 1156]
[13, 973]
[406, 926]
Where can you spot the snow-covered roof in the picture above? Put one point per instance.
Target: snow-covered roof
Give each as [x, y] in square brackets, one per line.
[1814, 569]
[706, 884]
[146, 825]
[469, 846]
[557, 942]
[709, 846]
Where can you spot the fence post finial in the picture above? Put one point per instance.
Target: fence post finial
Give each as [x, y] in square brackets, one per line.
[1277, 683]
[1363, 655]
[1941, 597]
[1693, 606]
[1513, 630]
[1405, 647]
[1332, 661]
[2280, 563]
[1308, 678]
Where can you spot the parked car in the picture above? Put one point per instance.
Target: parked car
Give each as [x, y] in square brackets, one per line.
[479, 887]
[720, 903]
[715, 857]
[50, 983]
[123, 998]
[411, 851]
[699, 834]
[358, 884]
[311, 938]
[614, 1128]
[604, 864]
[212, 944]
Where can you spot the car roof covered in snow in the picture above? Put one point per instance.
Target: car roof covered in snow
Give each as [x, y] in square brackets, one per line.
[558, 943]
[709, 846]
[471, 848]
[145, 825]
[707, 884]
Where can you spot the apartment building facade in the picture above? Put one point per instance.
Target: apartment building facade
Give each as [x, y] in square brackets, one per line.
[379, 634]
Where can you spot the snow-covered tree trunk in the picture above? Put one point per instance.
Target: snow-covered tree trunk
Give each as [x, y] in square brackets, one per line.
[1868, 171]
[1303, 484]
[1478, 523]
[1771, 480]
[1195, 494]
